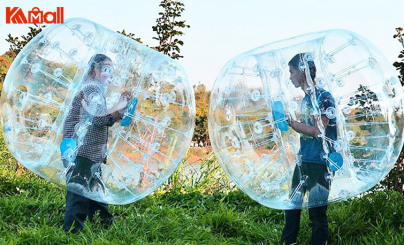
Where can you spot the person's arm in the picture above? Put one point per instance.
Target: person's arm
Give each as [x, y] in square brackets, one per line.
[73, 116]
[313, 131]
[122, 102]
[325, 101]
[107, 120]
[99, 120]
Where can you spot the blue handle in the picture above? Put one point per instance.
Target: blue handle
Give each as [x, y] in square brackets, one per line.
[67, 143]
[279, 116]
[335, 161]
[131, 111]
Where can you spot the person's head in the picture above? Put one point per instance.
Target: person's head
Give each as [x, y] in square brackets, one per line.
[100, 68]
[297, 68]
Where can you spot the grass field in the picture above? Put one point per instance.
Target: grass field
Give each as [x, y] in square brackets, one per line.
[197, 205]
[185, 211]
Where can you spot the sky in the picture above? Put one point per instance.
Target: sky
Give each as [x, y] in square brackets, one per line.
[222, 29]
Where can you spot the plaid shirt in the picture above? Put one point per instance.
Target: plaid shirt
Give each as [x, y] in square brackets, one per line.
[88, 117]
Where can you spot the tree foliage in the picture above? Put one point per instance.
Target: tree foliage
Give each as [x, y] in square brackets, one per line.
[395, 179]
[5, 63]
[17, 43]
[168, 28]
[130, 35]
[400, 64]
[201, 133]
[366, 101]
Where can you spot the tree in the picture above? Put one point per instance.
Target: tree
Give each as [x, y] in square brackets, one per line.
[130, 35]
[395, 179]
[16, 44]
[366, 101]
[201, 133]
[400, 64]
[168, 28]
[5, 63]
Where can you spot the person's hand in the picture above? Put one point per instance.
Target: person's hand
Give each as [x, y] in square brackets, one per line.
[117, 115]
[126, 96]
[122, 103]
[289, 119]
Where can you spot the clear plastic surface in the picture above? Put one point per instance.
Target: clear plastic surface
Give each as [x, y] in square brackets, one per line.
[89, 108]
[291, 137]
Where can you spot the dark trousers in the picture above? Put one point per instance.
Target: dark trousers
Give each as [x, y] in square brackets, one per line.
[318, 217]
[78, 208]
[317, 186]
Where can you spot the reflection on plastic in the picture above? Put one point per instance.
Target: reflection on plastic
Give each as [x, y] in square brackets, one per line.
[337, 82]
[67, 96]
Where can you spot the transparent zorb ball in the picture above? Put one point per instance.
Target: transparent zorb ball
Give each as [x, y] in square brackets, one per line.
[351, 94]
[88, 107]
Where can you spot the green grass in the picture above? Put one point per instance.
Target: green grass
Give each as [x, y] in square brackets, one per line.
[32, 212]
[195, 206]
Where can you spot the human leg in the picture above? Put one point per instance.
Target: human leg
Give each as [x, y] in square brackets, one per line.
[292, 217]
[77, 206]
[318, 187]
[80, 173]
[76, 212]
[105, 215]
[318, 217]
[292, 225]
